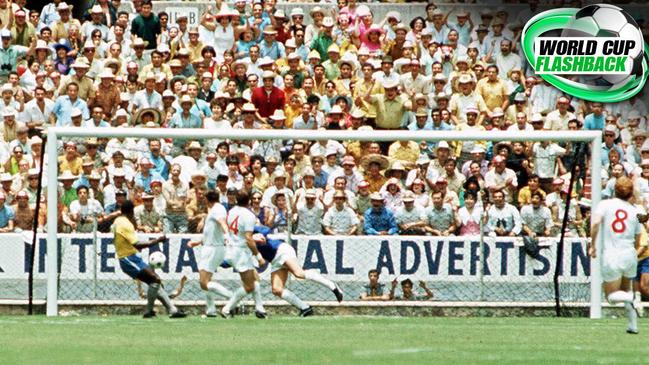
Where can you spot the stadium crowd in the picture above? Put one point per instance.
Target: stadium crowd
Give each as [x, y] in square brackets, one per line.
[249, 65]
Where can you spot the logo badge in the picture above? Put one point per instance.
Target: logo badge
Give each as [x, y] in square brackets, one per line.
[596, 53]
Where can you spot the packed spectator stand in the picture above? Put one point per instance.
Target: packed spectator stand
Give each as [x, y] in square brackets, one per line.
[248, 65]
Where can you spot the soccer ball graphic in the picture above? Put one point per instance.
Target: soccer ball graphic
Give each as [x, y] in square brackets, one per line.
[157, 260]
[605, 20]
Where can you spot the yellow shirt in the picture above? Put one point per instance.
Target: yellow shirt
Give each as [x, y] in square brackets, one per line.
[389, 113]
[125, 237]
[409, 152]
[494, 94]
[73, 166]
[361, 89]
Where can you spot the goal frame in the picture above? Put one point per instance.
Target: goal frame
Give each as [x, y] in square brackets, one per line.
[594, 138]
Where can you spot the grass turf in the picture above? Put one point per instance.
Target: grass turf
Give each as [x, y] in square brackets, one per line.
[318, 340]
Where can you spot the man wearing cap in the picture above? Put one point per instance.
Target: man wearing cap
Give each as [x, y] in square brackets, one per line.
[390, 106]
[410, 218]
[324, 40]
[147, 97]
[85, 84]
[9, 54]
[148, 219]
[378, 220]
[309, 215]
[107, 93]
[340, 219]
[146, 25]
[465, 99]
[22, 31]
[95, 23]
[268, 98]
[558, 119]
[611, 135]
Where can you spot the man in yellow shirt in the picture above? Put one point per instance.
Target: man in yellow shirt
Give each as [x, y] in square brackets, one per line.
[127, 248]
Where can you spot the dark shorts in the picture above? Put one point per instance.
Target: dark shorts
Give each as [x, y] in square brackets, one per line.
[133, 265]
[643, 268]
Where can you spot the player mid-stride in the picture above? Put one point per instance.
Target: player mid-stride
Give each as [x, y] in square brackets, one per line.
[621, 232]
[243, 255]
[215, 232]
[127, 247]
[283, 261]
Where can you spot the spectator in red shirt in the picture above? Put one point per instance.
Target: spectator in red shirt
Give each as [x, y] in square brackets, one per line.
[268, 98]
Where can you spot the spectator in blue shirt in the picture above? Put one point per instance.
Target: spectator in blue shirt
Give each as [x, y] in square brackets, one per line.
[63, 106]
[7, 216]
[595, 121]
[269, 47]
[146, 174]
[379, 221]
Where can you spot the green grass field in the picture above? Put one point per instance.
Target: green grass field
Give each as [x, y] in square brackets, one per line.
[319, 340]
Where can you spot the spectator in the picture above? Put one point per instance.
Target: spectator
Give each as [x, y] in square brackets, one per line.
[309, 215]
[85, 212]
[441, 217]
[7, 216]
[147, 217]
[175, 195]
[504, 219]
[379, 221]
[340, 219]
[374, 290]
[410, 217]
[536, 218]
[407, 292]
[24, 214]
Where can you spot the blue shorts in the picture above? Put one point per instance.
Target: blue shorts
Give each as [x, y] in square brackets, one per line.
[133, 265]
[643, 268]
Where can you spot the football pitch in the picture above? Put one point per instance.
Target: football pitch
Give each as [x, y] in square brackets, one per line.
[319, 340]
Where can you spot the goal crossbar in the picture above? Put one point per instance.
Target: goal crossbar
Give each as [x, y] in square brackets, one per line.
[594, 138]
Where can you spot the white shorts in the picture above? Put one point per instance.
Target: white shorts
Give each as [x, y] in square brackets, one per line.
[283, 254]
[240, 258]
[211, 258]
[618, 264]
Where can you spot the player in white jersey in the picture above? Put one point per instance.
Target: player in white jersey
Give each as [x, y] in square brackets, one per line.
[243, 255]
[620, 228]
[212, 253]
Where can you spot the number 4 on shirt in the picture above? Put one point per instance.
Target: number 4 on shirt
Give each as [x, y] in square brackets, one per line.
[234, 226]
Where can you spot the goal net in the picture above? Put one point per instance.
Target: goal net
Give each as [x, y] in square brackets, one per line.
[460, 256]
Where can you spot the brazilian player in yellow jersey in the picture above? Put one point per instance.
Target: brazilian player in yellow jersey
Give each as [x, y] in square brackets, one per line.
[127, 248]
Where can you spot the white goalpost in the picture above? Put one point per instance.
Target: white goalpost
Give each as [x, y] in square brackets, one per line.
[54, 134]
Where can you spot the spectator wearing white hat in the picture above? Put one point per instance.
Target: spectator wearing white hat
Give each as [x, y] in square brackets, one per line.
[558, 118]
[390, 107]
[611, 135]
[467, 97]
[309, 214]
[340, 219]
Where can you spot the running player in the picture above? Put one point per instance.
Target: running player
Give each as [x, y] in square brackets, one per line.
[283, 261]
[127, 247]
[621, 233]
[243, 255]
[213, 251]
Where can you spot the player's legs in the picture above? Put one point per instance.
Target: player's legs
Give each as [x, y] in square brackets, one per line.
[312, 275]
[619, 291]
[249, 285]
[156, 291]
[211, 258]
[278, 280]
